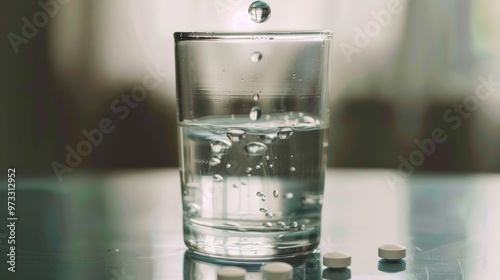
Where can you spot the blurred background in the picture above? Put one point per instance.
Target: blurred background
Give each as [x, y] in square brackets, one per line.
[401, 70]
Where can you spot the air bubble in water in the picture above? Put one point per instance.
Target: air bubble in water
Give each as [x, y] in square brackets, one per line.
[267, 157]
[268, 224]
[259, 11]
[193, 209]
[214, 161]
[269, 215]
[249, 169]
[307, 120]
[255, 113]
[288, 195]
[257, 167]
[218, 178]
[269, 138]
[311, 200]
[256, 97]
[260, 194]
[294, 224]
[280, 223]
[263, 209]
[228, 165]
[255, 149]
[292, 168]
[236, 135]
[275, 193]
[285, 133]
[220, 147]
[302, 227]
[232, 224]
[256, 57]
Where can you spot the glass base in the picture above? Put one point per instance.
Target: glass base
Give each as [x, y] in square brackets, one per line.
[236, 244]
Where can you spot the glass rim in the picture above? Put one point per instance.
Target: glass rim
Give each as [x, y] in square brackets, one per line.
[273, 35]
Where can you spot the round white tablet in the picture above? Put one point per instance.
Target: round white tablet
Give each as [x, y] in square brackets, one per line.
[231, 273]
[277, 271]
[392, 251]
[337, 259]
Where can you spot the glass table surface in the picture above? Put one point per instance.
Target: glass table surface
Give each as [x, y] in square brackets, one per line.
[127, 225]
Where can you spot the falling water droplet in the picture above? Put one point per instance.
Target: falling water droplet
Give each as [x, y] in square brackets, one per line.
[228, 165]
[236, 135]
[275, 193]
[263, 209]
[267, 157]
[259, 11]
[257, 167]
[269, 215]
[218, 178]
[294, 224]
[255, 149]
[292, 169]
[249, 169]
[255, 57]
[268, 224]
[259, 194]
[255, 113]
[256, 97]
[302, 227]
[285, 133]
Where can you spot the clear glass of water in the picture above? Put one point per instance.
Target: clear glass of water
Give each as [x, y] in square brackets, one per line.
[253, 120]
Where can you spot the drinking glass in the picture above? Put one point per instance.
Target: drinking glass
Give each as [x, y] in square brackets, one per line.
[252, 120]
